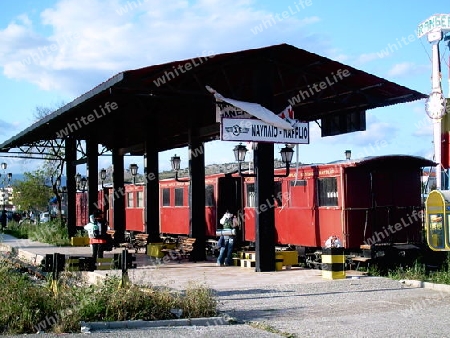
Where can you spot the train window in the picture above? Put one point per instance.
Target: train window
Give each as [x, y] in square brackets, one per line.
[251, 201]
[209, 195]
[327, 191]
[166, 197]
[140, 199]
[299, 183]
[130, 200]
[278, 199]
[179, 197]
[251, 196]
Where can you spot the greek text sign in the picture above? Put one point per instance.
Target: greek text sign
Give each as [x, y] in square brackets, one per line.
[438, 21]
[226, 110]
[259, 131]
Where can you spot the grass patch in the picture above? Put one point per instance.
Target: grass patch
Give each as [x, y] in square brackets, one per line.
[52, 232]
[29, 307]
[17, 231]
[419, 271]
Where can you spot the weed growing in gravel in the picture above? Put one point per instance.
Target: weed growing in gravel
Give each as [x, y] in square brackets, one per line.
[419, 272]
[271, 329]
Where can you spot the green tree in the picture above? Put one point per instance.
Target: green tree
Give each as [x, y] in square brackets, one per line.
[54, 158]
[31, 193]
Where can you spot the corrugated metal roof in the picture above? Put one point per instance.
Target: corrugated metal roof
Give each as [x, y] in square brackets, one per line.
[284, 72]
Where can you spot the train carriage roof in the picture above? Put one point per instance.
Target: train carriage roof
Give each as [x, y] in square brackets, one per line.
[384, 160]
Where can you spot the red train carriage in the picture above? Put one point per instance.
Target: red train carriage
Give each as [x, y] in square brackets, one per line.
[134, 206]
[367, 201]
[222, 192]
[373, 202]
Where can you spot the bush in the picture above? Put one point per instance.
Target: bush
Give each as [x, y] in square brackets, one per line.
[23, 303]
[16, 230]
[30, 307]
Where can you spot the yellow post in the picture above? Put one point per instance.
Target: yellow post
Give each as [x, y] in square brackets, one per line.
[333, 263]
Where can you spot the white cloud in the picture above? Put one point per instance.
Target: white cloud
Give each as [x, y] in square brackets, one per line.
[92, 40]
[366, 57]
[6, 127]
[407, 69]
[401, 69]
[376, 131]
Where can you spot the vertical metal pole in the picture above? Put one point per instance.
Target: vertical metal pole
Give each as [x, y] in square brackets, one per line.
[92, 174]
[265, 213]
[436, 88]
[71, 156]
[435, 108]
[264, 182]
[151, 192]
[197, 221]
[118, 197]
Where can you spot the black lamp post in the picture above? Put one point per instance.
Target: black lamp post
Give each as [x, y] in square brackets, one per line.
[105, 192]
[59, 192]
[176, 162]
[348, 154]
[81, 183]
[134, 169]
[103, 176]
[6, 180]
[286, 157]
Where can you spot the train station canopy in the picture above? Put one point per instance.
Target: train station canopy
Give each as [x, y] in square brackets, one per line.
[166, 101]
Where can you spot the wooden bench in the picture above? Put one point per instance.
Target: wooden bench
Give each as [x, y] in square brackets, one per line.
[358, 260]
[136, 242]
[183, 249]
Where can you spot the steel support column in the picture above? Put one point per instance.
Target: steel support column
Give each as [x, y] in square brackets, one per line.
[265, 215]
[71, 156]
[264, 185]
[118, 196]
[92, 174]
[151, 192]
[197, 222]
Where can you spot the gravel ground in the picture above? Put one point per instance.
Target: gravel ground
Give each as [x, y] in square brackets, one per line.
[301, 304]
[234, 331]
[365, 307]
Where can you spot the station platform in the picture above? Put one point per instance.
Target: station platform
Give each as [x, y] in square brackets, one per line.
[172, 274]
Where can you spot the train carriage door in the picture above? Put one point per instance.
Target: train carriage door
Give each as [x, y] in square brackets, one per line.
[229, 197]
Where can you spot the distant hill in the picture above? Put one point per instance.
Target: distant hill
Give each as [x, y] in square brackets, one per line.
[21, 177]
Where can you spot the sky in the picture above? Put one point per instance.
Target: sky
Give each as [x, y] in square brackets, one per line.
[53, 51]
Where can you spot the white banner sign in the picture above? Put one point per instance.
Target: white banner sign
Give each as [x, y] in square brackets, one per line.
[259, 131]
[226, 110]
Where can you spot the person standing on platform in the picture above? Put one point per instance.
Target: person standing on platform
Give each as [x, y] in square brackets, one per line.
[96, 233]
[229, 223]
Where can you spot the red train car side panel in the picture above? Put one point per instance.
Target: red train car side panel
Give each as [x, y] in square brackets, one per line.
[382, 204]
[82, 217]
[174, 207]
[134, 208]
